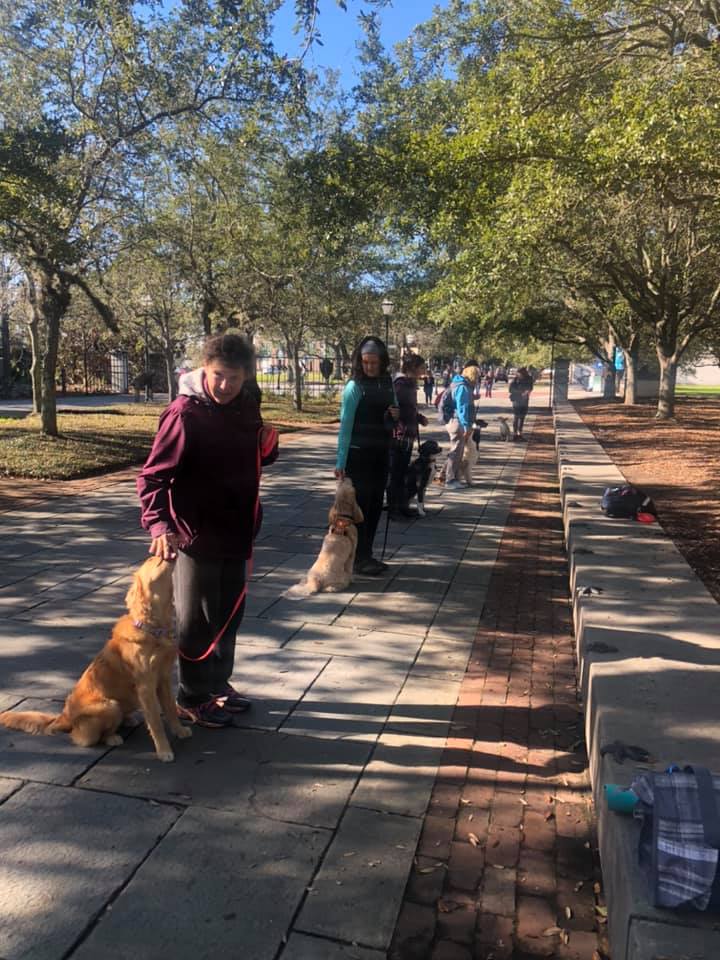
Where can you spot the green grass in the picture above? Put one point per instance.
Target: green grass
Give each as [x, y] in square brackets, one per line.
[100, 440]
[695, 391]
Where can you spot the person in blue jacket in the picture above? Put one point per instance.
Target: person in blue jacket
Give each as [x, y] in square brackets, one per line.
[459, 427]
[368, 414]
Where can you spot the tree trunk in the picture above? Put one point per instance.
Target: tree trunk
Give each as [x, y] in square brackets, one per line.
[205, 313]
[337, 373]
[666, 394]
[298, 377]
[49, 297]
[170, 373]
[631, 365]
[609, 381]
[36, 367]
[5, 333]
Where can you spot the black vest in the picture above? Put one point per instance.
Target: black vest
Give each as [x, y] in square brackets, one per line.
[370, 430]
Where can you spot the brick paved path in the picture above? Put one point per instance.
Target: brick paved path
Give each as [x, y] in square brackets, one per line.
[506, 864]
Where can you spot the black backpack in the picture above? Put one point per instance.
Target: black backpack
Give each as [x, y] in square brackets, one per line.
[626, 502]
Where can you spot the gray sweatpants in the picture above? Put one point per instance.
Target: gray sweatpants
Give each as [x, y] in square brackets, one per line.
[205, 593]
[457, 445]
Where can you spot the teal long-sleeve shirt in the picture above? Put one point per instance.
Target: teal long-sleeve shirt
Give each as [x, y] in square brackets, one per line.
[351, 397]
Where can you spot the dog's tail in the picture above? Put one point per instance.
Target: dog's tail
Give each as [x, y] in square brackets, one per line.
[32, 721]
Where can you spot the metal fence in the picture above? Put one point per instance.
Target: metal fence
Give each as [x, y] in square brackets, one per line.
[318, 374]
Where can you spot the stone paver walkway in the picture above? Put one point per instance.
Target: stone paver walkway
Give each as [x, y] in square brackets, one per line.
[291, 838]
[506, 865]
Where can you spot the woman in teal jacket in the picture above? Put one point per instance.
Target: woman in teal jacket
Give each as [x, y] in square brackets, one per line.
[460, 426]
[367, 417]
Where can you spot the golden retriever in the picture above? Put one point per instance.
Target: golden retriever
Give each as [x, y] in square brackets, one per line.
[332, 571]
[133, 670]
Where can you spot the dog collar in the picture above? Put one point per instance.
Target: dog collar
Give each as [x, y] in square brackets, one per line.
[152, 630]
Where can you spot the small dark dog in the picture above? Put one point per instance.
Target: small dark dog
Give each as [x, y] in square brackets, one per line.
[420, 473]
[477, 429]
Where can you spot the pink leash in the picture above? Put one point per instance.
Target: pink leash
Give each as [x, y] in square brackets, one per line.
[263, 450]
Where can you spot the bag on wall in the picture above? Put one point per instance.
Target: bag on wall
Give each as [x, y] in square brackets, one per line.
[680, 836]
[626, 502]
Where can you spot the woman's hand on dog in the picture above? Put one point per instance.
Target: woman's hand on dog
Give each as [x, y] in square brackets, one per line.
[165, 546]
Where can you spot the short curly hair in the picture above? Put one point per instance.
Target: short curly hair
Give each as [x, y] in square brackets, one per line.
[232, 349]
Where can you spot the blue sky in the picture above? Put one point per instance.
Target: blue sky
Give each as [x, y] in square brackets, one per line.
[340, 31]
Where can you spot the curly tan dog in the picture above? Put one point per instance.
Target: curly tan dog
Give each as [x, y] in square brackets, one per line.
[332, 571]
[133, 670]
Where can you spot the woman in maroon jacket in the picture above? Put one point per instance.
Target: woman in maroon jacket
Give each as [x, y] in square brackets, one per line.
[199, 497]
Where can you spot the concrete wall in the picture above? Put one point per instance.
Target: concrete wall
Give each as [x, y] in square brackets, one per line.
[649, 666]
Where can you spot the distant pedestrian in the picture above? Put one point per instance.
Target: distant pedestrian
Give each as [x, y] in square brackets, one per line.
[519, 391]
[368, 415]
[428, 387]
[199, 494]
[460, 426]
[489, 382]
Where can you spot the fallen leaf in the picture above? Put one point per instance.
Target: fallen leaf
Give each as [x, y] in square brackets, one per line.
[474, 839]
[350, 853]
[447, 906]
[568, 913]
[578, 886]
[597, 888]
[602, 911]
[524, 802]
[551, 932]
[465, 802]
[565, 937]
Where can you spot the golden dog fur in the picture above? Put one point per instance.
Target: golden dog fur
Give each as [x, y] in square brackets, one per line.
[332, 571]
[133, 670]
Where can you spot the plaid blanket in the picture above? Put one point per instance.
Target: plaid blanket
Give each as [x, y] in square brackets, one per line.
[678, 819]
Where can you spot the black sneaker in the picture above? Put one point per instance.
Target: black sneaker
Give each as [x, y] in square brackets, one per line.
[209, 714]
[232, 701]
[371, 567]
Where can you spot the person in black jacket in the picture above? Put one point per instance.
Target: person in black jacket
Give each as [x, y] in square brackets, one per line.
[405, 435]
[519, 390]
[367, 416]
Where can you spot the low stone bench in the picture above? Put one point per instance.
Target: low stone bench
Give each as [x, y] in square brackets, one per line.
[648, 646]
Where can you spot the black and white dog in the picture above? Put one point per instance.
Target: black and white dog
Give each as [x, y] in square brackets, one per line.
[477, 430]
[420, 473]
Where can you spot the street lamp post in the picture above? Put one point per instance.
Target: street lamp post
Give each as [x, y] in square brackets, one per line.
[387, 308]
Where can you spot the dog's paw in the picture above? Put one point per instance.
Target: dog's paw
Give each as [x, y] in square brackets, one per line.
[167, 756]
[114, 740]
[183, 733]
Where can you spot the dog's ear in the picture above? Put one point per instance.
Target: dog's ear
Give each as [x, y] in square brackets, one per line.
[358, 516]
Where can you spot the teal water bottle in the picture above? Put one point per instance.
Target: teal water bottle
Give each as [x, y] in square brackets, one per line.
[620, 799]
